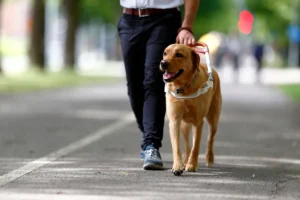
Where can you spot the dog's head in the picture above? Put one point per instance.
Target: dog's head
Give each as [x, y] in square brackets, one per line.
[179, 62]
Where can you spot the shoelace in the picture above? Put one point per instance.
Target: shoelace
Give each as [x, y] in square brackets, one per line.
[153, 153]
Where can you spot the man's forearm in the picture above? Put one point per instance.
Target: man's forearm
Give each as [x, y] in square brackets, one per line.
[190, 11]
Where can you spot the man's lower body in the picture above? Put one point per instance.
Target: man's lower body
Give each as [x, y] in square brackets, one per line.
[235, 62]
[219, 58]
[143, 40]
[258, 69]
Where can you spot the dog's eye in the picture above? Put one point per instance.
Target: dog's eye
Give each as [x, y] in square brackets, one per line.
[165, 53]
[179, 55]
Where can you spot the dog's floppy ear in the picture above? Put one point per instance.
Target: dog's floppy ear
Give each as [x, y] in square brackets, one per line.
[195, 59]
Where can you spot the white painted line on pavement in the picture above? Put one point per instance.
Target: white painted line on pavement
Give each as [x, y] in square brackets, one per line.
[27, 196]
[258, 159]
[97, 114]
[104, 131]
[132, 195]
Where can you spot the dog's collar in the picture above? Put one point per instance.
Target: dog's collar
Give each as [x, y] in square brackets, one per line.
[181, 90]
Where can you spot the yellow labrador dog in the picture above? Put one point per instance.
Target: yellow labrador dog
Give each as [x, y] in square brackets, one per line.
[192, 93]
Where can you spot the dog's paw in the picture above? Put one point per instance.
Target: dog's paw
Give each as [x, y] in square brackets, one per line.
[177, 170]
[209, 165]
[190, 167]
[209, 160]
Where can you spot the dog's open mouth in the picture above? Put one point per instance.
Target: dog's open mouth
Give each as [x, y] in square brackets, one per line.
[168, 76]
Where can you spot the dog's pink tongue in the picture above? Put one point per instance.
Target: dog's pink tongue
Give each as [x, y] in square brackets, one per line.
[167, 75]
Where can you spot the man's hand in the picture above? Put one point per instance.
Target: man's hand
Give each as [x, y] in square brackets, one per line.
[185, 37]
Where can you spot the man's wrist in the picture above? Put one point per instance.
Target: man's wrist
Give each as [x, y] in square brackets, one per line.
[185, 28]
[188, 24]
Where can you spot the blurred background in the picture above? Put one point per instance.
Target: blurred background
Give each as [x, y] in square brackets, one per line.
[250, 40]
[73, 46]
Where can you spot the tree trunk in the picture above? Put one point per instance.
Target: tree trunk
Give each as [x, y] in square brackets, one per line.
[37, 46]
[72, 14]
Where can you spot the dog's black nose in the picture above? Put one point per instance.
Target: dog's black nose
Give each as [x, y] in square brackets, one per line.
[164, 64]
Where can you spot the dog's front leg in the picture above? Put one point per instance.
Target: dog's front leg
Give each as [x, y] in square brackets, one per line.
[192, 164]
[174, 127]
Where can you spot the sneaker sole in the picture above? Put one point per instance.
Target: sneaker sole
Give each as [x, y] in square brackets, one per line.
[152, 166]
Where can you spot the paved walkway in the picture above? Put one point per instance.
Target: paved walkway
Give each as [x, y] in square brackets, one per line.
[83, 144]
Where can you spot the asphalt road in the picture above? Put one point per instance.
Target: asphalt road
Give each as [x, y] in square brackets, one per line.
[82, 143]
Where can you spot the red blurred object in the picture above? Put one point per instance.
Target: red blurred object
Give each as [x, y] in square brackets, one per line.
[245, 22]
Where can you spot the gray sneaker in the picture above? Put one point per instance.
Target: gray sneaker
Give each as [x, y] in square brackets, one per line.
[152, 158]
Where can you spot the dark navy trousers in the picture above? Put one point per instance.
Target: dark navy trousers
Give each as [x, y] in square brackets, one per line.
[143, 40]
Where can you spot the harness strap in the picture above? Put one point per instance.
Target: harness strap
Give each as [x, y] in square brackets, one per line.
[209, 84]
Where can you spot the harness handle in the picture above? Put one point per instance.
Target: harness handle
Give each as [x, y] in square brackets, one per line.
[204, 48]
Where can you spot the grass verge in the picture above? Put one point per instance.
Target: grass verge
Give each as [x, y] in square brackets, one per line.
[293, 91]
[34, 80]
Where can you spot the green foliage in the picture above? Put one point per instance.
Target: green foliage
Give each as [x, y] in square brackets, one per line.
[271, 19]
[100, 10]
[215, 15]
